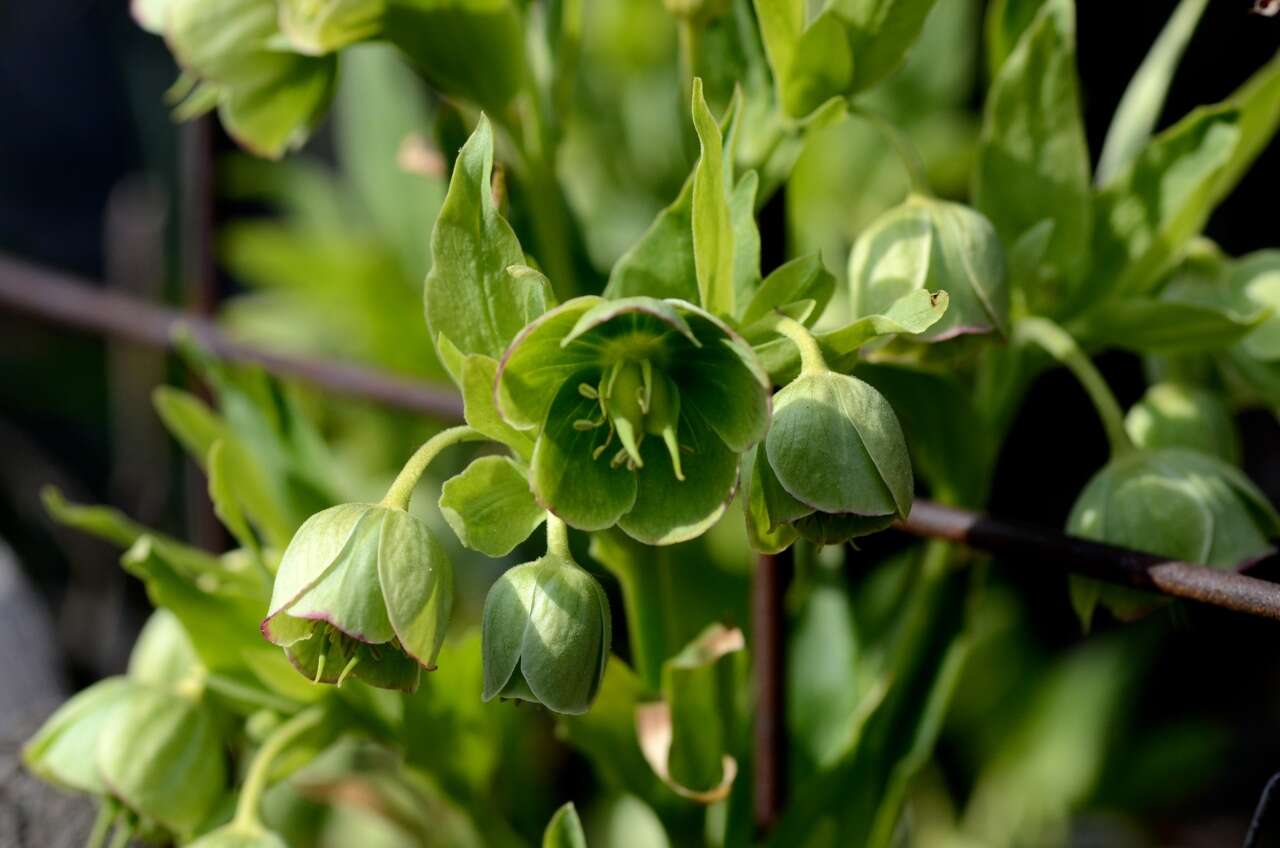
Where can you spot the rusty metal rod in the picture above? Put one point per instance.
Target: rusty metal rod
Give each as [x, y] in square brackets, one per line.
[1227, 589]
[64, 299]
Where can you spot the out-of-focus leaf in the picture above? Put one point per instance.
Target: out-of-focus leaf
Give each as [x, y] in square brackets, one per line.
[489, 506]
[1033, 159]
[880, 34]
[381, 112]
[822, 685]
[1258, 104]
[471, 297]
[226, 502]
[1158, 325]
[472, 49]
[163, 654]
[565, 829]
[315, 29]
[64, 749]
[1006, 21]
[1146, 215]
[1140, 107]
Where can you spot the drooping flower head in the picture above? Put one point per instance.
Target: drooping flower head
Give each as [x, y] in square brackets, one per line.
[642, 409]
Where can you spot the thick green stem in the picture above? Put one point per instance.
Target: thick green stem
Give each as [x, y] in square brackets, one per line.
[255, 783]
[811, 359]
[101, 825]
[558, 537]
[124, 833]
[401, 491]
[1062, 347]
[912, 163]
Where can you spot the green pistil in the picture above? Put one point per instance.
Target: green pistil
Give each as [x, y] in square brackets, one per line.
[636, 400]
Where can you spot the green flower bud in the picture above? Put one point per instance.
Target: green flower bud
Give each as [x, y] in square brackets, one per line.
[546, 635]
[1174, 503]
[835, 464]
[363, 590]
[932, 244]
[1175, 415]
[642, 409]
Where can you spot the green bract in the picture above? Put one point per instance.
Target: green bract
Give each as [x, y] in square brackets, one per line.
[363, 590]
[642, 408]
[834, 465]
[546, 635]
[1174, 503]
[932, 244]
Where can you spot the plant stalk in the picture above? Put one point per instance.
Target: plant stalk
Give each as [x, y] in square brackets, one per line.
[255, 783]
[401, 491]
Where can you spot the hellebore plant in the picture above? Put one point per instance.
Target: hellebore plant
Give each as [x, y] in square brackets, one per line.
[642, 409]
[365, 589]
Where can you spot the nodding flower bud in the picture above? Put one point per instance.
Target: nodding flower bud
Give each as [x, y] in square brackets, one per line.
[933, 244]
[1170, 502]
[835, 464]
[363, 590]
[1175, 415]
[546, 635]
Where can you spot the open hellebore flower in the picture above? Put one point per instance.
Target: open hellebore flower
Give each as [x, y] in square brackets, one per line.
[1171, 502]
[835, 464]
[932, 244]
[363, 590]
[643, 408]
[546, 635]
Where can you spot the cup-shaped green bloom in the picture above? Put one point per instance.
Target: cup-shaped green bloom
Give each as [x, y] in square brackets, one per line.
[1176, 415]
[546, 635]
[932, 244]
[365, 590]
[1174, 503]
[642, 409]
[835, 464]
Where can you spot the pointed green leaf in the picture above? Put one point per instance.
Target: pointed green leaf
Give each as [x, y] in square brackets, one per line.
[471, 296]
[1158, 325]
[712, 218]
[803, 278]
[746, 238]
[489, 506]
[661, 263]
[226, 504]
[565, 829]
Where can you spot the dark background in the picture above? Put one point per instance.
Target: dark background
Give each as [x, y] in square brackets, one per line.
[84, 130]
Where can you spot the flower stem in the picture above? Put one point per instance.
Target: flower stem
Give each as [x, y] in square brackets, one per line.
[124, 832]
[907, 153]
[402, 487]
[101, 825]
[255, 783]
[558, 537]
[1062, 347]
[811, 359]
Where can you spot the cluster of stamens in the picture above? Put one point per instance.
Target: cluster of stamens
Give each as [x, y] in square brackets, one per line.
[636, 400]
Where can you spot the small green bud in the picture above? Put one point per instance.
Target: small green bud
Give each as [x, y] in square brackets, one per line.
[546, 635]
[835, 464]
[933, 244]
[363, 590]
[1175, 415]
[1174, 503]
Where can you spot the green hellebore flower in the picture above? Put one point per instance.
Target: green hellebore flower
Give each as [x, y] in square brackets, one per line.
[1174, 503]
[546, 635]
[932, 244]
[643, 408]
[363, 590]
[835, 464]
[1176, 415]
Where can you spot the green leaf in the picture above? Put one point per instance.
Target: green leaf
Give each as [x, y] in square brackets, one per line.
[472, 49]
[588, 493]
[162, 755]
[821, 67]
[1159, 325]
[746, 237]
[564, 830]
[63, 751]
[471, 296]
[803, 278]
[880, 34]
[913, 313]
[661, 263]
[1258, 104]
[1006, 21]
[1139, 110]
[712, 218]
[1148, 213]
[1255, 281]
[823, 694]
[781, 24]
[189, 420]
[1033, 158]
[226, 503]
[489, 506]
[478, 381]
[163, 654]
[698, 685]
